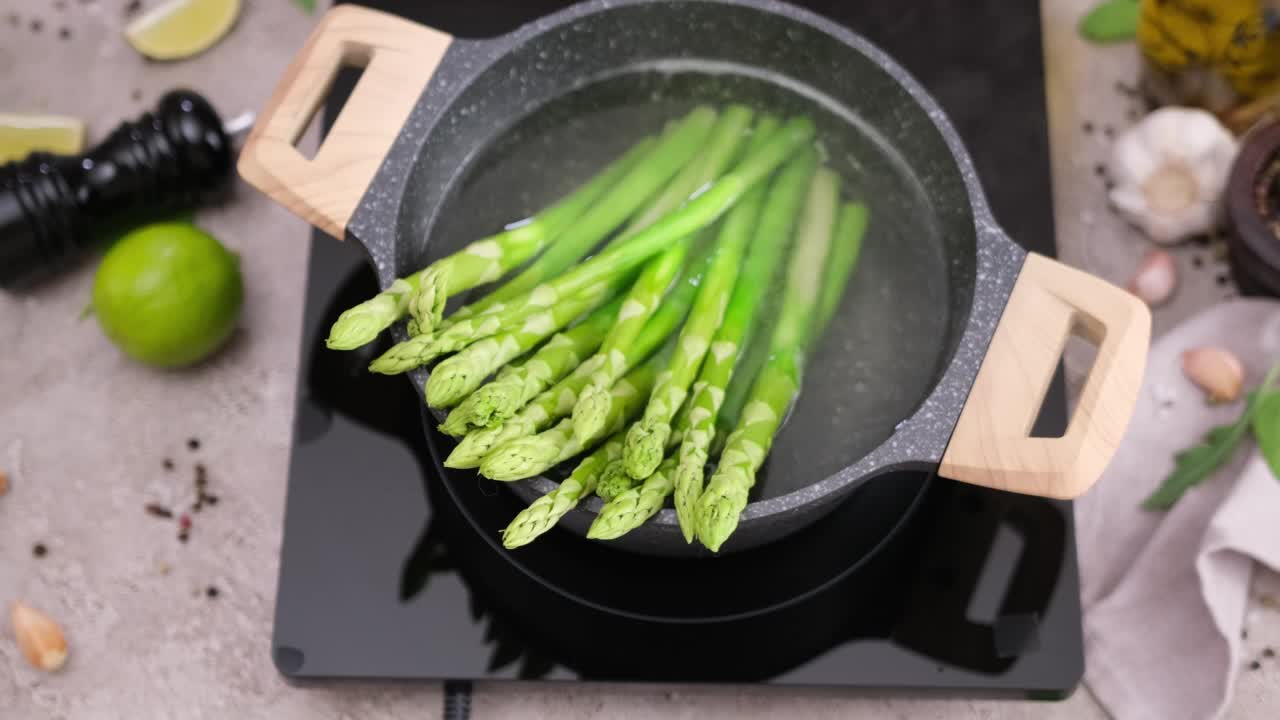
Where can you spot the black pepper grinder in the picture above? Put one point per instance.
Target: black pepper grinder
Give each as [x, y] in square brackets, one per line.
[54, 207]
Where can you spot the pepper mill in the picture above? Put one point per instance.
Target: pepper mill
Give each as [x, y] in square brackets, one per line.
[53, 208]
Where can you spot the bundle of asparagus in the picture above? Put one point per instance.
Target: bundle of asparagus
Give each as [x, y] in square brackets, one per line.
[626, 357]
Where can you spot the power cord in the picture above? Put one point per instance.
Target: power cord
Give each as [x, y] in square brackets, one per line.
[457, 700]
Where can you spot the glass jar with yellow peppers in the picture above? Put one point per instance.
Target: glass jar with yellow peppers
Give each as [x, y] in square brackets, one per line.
[1222, 55]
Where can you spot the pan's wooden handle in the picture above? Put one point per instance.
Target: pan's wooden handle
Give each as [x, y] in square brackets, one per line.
[991, 445]
[398, 57]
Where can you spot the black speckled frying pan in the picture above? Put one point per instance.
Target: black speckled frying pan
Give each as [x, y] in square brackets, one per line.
[948, 335]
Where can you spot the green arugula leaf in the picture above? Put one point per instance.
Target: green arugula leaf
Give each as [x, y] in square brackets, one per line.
[1112, 21]
[308, 5]
[1193, 465]
[1266, 429]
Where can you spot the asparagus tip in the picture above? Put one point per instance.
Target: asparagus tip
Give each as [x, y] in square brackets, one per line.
[360, 325]
[460, 462]
[473, 413]
[456, 423]
[427, 304]
[646, 441]
[613, 481]
[471, 450]
[449, 383]
[616, 518]
[494, 402]
[718, 517]
[521, 458]
[590, 412]
[345, 339]
[688, 487]
[412, 353]
[521, 531]
[385, 366]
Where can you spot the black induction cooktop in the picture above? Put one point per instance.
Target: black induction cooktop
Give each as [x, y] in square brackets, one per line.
[391, 567]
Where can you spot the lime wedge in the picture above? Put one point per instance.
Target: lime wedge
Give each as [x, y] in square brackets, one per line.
[21, 135]
[182, 28]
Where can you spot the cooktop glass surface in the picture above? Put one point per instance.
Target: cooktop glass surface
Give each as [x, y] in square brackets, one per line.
[392, 569]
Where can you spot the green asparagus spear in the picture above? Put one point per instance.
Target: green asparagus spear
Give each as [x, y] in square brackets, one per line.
[456, 377]
[487, 260]
[629, 509]
[543, 513]
[549, 406]
[359, 325]
[558, 401]
[422, 349]
[675, 149]
[724, 142]
[693, 216]
[769, 242]
[647, 439]
[504, 396]
[631, 501]
[614, 481]
[779, 382]
[846, 246]
[593, 405]
[533, 454]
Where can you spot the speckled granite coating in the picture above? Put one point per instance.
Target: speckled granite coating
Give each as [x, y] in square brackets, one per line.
[471, 98]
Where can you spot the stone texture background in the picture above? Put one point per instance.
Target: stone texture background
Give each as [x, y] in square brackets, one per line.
[83, 432]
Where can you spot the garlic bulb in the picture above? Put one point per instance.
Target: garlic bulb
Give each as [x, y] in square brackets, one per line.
[1170, 171]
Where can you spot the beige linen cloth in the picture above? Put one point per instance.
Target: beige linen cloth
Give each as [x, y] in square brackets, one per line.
[1165, 593]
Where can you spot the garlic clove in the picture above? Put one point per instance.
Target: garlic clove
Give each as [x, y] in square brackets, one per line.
[39, 637]
[1155, 278]
[1216, 371]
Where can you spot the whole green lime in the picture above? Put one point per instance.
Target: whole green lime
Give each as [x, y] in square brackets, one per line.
[168, 294]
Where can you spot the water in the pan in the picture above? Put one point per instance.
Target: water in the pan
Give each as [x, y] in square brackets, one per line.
[888, 342]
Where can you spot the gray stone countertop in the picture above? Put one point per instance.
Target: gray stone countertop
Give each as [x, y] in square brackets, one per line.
[84, 432]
